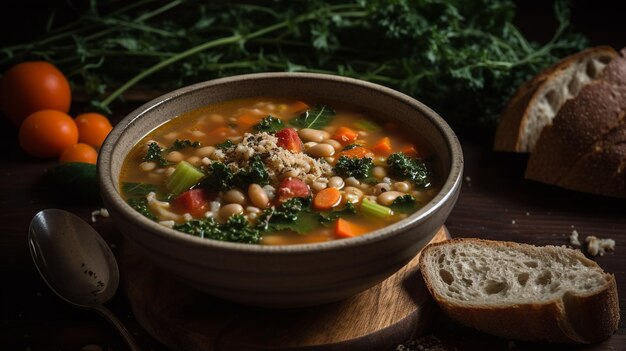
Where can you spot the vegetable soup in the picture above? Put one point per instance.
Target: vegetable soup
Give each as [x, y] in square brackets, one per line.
[278, 171]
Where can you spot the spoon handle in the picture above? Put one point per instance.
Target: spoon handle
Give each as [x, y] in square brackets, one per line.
[104, 312]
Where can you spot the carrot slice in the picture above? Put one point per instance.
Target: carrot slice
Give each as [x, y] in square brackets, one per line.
[358, 152]
[326, 199]
[382, 147]
[410, 150]
[247, 119]
[346, 229]
[297, 107]
[345, 135]
[219, 134]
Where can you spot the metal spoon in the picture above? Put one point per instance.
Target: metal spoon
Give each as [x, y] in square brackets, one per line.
[76, 263]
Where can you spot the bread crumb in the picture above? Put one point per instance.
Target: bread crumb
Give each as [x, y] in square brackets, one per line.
[573, 238]
[426, 343]
[513, 222]
[468, 179]
[101, 212]
[597, 246]
[527, 213]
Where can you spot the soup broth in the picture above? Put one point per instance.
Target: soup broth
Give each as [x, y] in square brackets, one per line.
[278, 171]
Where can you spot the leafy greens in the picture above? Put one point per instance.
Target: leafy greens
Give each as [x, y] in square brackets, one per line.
[317, 117]
[462, 58]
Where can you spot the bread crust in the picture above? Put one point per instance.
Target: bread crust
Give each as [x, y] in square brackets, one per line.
[569, 319]
[585, 148]
[515, 115]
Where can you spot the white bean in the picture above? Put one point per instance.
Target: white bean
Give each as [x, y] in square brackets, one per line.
[388, 197]
[171, 136]
[380, 161]
[147, 166]
[308, 134]
[174, 156]
[380, 188]
[252, 212]
[217, 119]
[252, 209]
[258, 196]
[379, 172]
[352, 194]
[334, 143]
[351, 181]
[205, 151]
[230, 210]
[194, 160]
[169, 171]
[403, 187]
[308, 145]
[317, 186]
[321, 150]
[335, 182]
[234, 196]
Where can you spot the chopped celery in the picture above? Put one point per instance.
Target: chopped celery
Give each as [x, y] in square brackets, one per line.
[367, 126]
[371, 208]
[184, 177]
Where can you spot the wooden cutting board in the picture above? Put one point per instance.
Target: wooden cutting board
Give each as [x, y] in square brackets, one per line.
[184, 319]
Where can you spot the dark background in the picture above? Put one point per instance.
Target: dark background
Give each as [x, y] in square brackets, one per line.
[495, 203]
[599, 20]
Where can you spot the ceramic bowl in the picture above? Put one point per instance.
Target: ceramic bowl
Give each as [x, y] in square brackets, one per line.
[286, 275]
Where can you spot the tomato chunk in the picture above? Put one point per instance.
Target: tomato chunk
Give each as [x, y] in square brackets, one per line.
[288, 139]
[292, 187]
[194, 201]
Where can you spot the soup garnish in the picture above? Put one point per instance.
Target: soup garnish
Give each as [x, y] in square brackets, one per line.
[277, 171]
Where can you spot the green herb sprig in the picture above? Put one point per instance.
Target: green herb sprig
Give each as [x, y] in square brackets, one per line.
[463, 59]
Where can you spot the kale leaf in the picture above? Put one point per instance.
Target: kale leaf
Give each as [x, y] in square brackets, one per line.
[354, 167]
[405, 167]
[181, 144]
[317, 117]
[222, 178]
[140, 205]
[236, 229]
[328, 217]
[131, 189]
[269, 124]
[219, 178]
[294, 214]
[155, 154]
[405, 204]
[255, 172]
[225, 145]
[351, 146]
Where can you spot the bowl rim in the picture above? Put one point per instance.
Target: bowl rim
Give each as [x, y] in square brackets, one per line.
[113, 198]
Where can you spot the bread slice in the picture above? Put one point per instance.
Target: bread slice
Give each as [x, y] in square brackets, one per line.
[585, 147]
[521, 291]
[537, 101]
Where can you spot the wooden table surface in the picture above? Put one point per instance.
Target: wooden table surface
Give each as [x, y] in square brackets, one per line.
[495, 203]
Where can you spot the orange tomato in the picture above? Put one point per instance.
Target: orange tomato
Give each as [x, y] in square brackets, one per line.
[47, 133]
[32, 86]
[93, 128]
[79, 153]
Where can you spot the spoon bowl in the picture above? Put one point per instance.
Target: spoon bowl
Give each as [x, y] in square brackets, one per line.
[72, 257]
[75, 262]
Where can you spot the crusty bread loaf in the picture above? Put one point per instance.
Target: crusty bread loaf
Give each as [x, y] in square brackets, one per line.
[522, 291]
[537, 101]
[585, 147]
